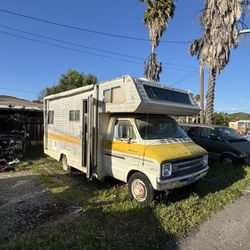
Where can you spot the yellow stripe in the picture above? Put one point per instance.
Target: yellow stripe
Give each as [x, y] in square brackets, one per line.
[64, 138]
[159, 153]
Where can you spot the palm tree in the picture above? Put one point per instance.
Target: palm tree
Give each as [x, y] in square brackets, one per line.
[219, 21]
[156, 18]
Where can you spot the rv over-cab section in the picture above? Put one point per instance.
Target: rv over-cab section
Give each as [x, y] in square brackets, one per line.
[137, 95]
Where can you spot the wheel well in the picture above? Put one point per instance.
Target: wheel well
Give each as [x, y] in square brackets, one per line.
[227, 155]
[61, 156]
[130, 173]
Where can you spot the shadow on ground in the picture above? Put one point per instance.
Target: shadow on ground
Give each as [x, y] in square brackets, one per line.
[50, 221]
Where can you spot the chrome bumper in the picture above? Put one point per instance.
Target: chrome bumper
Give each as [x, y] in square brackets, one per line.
[180, 181]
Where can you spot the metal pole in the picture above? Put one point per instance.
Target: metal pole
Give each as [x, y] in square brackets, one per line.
[244, 31]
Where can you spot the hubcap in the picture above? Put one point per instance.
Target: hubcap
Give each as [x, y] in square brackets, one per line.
[139, 190]
[227, 161]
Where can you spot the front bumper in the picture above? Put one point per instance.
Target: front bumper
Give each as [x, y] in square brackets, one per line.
[180, 181]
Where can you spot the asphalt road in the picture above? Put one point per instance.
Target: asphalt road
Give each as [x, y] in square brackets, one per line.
[229, 229]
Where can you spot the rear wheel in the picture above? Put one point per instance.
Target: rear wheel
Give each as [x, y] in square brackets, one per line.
[65, 165]
[140, 189]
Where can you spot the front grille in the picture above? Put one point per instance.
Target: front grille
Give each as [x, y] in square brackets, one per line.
[187, 166]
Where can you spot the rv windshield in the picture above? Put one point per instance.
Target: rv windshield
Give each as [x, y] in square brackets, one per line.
[158, 127]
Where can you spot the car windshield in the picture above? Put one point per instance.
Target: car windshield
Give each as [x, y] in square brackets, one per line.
[158, 127]
[230, 134]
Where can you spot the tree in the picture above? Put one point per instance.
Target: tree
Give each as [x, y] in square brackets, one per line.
[71, 80]
[221, 119]
[219, 20]
[156, 18]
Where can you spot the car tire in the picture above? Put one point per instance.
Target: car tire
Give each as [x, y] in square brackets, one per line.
[140, 189]
[227, 160]
[65, 165]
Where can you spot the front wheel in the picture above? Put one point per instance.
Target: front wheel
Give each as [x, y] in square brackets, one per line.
[140, 189]
[227, 161]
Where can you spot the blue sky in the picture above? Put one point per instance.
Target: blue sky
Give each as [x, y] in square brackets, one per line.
[27, 67]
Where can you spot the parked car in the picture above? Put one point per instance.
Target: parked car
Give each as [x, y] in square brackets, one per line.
[248, 135]
[222, 143]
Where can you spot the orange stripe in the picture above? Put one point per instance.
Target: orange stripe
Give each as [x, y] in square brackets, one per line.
[64, 138]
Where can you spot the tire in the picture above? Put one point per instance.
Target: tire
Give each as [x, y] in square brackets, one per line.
[65, 165]
[140, 189]
[227, 160]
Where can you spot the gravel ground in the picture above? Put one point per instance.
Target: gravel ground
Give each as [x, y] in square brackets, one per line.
[229, 229]
[24, 204]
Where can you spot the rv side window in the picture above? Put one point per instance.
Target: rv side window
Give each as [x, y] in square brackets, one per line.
[51, 117]
[114, 95]
[74, 115]
[124, 130]
[107, 95]
[117, 96]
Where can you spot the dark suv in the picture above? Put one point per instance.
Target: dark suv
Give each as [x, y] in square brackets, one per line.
[222, 143]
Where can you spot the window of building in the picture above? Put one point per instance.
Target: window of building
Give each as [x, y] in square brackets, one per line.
[51, 117]
[74, 115]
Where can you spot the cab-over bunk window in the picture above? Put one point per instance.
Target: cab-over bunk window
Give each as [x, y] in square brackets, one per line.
[160, 94]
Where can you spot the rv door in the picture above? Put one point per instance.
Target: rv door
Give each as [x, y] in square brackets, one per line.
[87, 135]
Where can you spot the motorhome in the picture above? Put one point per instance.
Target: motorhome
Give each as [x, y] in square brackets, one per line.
[123, 128]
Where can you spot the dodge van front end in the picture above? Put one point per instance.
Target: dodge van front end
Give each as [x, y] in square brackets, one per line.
[178, 173]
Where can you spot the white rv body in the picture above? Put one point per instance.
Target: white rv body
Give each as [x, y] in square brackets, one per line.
[81, 125]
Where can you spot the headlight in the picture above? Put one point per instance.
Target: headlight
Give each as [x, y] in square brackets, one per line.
[243, 155]
[166, 169]
[205, 160]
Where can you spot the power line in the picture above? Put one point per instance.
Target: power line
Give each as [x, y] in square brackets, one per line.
[188, 76]
[81, 51]
[67, 48]
[69, 43]
[78, 28]
[87, 47]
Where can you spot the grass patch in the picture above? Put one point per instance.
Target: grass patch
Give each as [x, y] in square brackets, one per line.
[110, 221]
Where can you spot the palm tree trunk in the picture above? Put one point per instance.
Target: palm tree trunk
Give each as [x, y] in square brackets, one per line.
[202, 93]
[210, 97]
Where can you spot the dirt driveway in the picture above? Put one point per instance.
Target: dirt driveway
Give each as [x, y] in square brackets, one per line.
[24, 204]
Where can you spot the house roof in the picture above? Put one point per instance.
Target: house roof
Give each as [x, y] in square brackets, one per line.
[10, 102]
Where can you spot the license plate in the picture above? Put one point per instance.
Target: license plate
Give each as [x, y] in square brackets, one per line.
[190, 180]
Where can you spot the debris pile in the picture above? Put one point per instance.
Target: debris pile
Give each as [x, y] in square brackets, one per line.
[14, 141]
[7, 166]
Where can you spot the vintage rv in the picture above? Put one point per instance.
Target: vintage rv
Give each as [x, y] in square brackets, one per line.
[122, 128]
